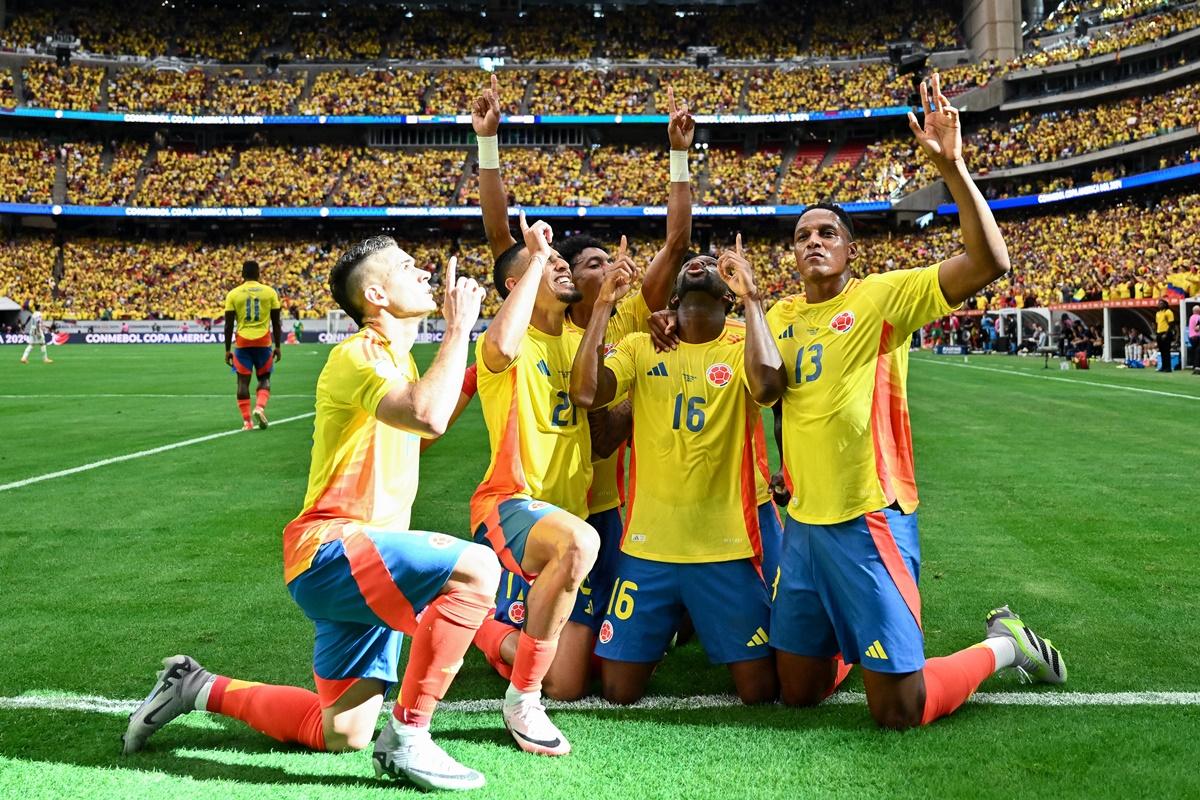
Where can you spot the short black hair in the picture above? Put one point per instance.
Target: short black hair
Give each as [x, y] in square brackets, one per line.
[343, 270]
[250, 270]
[838, 211]
[505, 263]
[572, 246]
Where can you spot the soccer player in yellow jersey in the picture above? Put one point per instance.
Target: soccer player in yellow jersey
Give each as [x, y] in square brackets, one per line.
[350, 560]
[692, 539]
[569, 674]
[254, 308]
[1164, 319]
[851, 555]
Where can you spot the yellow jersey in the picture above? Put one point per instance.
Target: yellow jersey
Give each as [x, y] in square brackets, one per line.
[540, 441]
[695, 499]
[1163, 320]
[252, 302]
[362, 470]
[631, 315]
[847, 445]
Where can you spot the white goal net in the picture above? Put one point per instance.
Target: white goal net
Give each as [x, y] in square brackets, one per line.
[338, 325]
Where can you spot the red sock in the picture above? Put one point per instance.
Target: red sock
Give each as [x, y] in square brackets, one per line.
[244, 407]
[443, 635]
[490, 637]
[533, 660]
[843, 669]
[263, 395]
[286, 713]
[951, 679]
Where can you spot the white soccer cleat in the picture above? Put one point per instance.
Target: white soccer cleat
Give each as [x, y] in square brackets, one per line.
[417, 759]
[247, 425]
[24, 360]
[532, 730]
[260, 417]
[179, 682]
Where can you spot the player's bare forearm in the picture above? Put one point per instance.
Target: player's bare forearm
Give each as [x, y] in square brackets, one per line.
[493, 200]
[777, 427]
[986, 257]
[664, 268]
[276, 328]
[610, 427]
[764, 364]
[229, 321]
[592, 384]
[504, 335]
[427, 406]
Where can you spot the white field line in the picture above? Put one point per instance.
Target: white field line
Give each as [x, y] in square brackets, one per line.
[225, 396]
[4, 487]
[1192, 397]
[106, 705]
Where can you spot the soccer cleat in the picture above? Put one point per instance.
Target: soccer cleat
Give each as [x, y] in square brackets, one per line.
[247, 425]
[260, 417]
[415, 758]
[1037, 658]
[533, 731]
[179, 681]
[24, 360]
[47, 360]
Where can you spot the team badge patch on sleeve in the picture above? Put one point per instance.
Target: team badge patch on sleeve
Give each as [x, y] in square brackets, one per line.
[842, 323]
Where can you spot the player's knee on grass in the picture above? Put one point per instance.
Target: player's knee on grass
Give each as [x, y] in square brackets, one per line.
[624, 683]
[803, 681]
[569, 677]
[896, 701]
[477, 570]
[755, 681]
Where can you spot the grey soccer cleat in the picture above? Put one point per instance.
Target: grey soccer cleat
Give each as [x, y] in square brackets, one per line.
[416, 759]
[179, 681]
[1037, 658]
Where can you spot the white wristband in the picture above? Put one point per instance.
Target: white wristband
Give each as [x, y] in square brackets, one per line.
[679, 166]
[489, 152]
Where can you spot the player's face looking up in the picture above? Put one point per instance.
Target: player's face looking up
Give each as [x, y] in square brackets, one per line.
[700, 274]
[822, 245]
[391, 279]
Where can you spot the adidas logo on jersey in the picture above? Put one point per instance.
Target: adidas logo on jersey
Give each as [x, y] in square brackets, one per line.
[876, 651]
[659, 371]
[759, 638]
[788, 333]
[544, 368]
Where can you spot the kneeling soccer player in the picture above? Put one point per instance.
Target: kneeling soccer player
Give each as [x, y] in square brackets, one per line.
[350, 561]
[692, 539]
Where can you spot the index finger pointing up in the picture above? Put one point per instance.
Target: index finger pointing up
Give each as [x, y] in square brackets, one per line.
[451, 273]
[671, 100]
[623, 248]
[737, 244]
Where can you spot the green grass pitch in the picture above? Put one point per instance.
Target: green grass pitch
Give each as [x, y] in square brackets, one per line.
[1067, 498]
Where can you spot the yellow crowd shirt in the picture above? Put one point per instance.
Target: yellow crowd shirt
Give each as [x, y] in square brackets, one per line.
[632, 315]
[847, 443]
[252, 302]
[540, 441]
[695, 498]
[1163, 320]
[362, 470]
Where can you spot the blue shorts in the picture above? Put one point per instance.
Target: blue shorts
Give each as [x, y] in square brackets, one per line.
[510, 597]
[253, 359]
[727, 601]
[771, 531]
[852, 588]
[509, 530]
[364, 589]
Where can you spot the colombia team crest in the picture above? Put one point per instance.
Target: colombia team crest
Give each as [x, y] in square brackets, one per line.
[719, 374]
[516, 612]
[842, 323]
[606, 632]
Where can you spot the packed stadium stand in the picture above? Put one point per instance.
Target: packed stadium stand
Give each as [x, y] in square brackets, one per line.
[140, 156]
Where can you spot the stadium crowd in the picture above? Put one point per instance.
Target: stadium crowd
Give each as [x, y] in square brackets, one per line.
[1113, 252]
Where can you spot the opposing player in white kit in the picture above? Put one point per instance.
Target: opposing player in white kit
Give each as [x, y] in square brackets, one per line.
[35, 329]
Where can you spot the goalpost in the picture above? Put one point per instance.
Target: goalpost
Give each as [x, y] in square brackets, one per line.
[338, 325]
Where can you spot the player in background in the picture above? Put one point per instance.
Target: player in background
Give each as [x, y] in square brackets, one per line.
[532, 500]
[851, 553]
[35, 329]
[350, 561]
[692, 538]
[569, 674]
[254, 307]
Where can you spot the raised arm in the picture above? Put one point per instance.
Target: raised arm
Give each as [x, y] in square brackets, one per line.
[426, 406]
[660, 277]
[986, 256]
[764, 365]
[504, 335]
[593, 385]
[493, 199]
